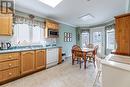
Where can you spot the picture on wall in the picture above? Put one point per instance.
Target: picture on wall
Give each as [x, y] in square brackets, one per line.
[67, 37]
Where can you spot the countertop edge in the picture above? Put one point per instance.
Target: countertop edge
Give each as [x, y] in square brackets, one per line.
[26, 49]
[115, 64]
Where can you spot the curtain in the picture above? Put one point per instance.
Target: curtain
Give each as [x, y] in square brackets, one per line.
[109, 27]
[30, 22]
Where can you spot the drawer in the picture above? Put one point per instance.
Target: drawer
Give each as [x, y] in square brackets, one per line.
[9, 56]
[9, 64]
[10, 73]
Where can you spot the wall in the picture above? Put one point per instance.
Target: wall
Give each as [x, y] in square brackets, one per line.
[129, 6]
[66, 46]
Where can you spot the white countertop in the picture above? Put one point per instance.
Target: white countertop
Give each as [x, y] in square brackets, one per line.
[108, 62]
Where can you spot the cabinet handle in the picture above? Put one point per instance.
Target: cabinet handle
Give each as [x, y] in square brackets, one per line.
[10, 57]
[10, 64]
[10, 74]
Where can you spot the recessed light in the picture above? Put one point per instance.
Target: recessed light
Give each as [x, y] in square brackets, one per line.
[87, 17]
[51, 3]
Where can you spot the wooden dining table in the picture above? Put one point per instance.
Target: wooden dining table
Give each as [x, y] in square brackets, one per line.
[85, 51]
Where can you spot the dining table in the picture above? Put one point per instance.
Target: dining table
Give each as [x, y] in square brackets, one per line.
[85, 51]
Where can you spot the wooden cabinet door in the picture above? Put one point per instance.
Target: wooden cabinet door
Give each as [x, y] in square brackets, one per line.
[6, 25]
[60, 56]
[40, 59]
[1, 76]
[27, 62]
[122, 34]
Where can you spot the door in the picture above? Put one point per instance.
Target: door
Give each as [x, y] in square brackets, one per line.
[27, 62]
[6, 25]
[60, 56]
[40, 59]
[98, 38]
[85, 39]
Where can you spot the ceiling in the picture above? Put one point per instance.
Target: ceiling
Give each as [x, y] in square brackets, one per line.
[70, 11]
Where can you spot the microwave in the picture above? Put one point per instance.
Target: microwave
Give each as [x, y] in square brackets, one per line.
[53, 33]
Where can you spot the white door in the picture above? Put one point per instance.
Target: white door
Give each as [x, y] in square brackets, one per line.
[98, 38]
[85, 39]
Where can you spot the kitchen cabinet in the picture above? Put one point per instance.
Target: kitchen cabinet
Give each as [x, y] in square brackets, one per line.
[115, 71]
[9, 66]
[40, 56]
[27, 62]
[60, 56]
[6, 21]
[18, 64]
[51, 26]
[122, 30]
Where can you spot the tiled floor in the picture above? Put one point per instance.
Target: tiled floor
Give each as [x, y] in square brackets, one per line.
[63, 75]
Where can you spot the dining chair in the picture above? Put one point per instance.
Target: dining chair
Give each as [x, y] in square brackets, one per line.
[89, 45]
[92, 55]
[99, 72]
[78, 55]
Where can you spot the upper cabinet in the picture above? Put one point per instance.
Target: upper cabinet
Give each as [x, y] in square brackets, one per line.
[51, 24]
[122, 34]
[6, 21]
[51, 29]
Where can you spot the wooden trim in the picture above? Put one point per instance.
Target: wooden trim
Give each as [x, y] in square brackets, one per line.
[118, 53]
[123, 15]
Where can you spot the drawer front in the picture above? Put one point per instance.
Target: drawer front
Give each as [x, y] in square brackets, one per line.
[10, 73]
[0, 75]
[9, 64]
[9, 56]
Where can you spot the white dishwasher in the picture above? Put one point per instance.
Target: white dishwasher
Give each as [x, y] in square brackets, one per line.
[52, 57]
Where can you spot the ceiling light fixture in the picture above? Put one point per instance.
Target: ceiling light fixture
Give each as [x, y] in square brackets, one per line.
[51, 3]
[87, 17]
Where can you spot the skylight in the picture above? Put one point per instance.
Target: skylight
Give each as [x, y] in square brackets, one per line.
[51, 3]
[87, 17]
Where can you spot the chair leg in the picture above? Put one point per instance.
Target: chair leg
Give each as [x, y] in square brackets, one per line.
[84, 64]
[77, 61]
[80, 63]
[94, 62]
[72, 61]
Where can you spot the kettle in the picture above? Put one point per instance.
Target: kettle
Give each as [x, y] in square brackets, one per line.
[5, 45]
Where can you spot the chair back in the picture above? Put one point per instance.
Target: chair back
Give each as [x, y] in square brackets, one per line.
[76, 52]
[96, 49]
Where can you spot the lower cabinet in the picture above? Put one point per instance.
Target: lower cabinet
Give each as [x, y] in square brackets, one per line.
[40, 56]
[18, 64]
[27, 62]
[10, 73]
[9, 66]
[60, 56]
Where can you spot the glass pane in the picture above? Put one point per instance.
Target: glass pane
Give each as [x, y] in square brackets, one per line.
[85, 39]
[110, 39]
[97, 40]
[21, 34]
[36, 34]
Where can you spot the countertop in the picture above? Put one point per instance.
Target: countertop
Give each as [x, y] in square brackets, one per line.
[115, 64]
[26, 49]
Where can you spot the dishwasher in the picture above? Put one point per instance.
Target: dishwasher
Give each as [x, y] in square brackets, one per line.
[52, 57]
